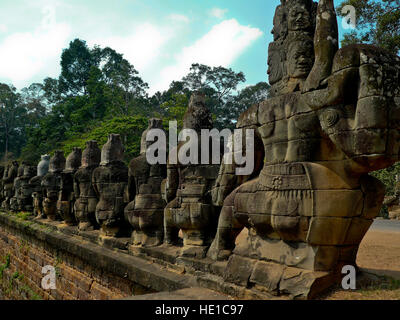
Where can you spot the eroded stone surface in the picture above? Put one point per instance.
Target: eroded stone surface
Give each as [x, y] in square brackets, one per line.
[109, 182]
[325, 128]
[86, 198]
[145, 211]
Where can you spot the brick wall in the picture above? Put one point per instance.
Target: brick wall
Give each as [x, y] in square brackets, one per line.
[21, 262]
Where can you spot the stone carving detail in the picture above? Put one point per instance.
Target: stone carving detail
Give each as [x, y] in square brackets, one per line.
[325, 128]
[190, 208]
[109, 182]
[17, 187]
[51, 184]
[24, 196]
[36, 186]
[8, 184]
[66, 197]
[145, 212]
[86, 198]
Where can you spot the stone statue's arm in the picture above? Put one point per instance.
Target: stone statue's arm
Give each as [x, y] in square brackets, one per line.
[326, 45]
[94, 184]
[76, 188]
[172, 183]
[130, 190]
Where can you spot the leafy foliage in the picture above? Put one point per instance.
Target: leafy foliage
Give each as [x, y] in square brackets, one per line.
[378, 22]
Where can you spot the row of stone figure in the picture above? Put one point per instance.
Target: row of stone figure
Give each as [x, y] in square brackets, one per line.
[95, 189]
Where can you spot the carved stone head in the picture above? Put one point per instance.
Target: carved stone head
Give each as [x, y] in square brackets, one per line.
[113, 150]
[300, 57]
[91, 155]
[43, 165]
[57, 162]
[154, 123]
[73, 161]
[197, 116]
[291, 54]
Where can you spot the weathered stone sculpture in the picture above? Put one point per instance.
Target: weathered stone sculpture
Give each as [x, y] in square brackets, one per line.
[146, 210]
[66, 197]
[16, 187]
[36, 185]
[86, 198]
[323, 130]
[24, 197]
[109, 182]
[51, 184]
[188, 187]
[8, 183]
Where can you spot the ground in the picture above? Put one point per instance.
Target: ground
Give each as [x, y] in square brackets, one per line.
[379, 259]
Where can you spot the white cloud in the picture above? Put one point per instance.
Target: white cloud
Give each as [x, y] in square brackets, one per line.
[178, 18]
[221, 46]
[3, 28]
[24, 54]
[141, 47]
[217, 12]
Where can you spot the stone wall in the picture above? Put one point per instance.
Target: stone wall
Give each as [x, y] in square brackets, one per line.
[24, 251]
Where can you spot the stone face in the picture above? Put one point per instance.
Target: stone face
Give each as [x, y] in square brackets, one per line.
[35, 184]
[327, 125]
[189, 206]
[109, 182]
[51, 184]
[145, 211]
[86, 198]
[66, 197]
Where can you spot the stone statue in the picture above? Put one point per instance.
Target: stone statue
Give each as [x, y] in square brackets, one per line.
[109, 182]
[86, 198]
[393, 202]
[8, 183]
[66, 197]
[36, 185]
[326, 126]
[16, 187]
[24, 197]
[146, 210]
[190, 208]
[51, 184]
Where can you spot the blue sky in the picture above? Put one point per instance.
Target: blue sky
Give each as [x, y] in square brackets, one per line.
[161, 38]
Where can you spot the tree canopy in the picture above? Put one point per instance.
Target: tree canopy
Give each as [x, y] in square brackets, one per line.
[99, 92]
[378, 23]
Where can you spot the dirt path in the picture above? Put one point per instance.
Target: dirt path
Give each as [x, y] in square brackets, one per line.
[379, 254]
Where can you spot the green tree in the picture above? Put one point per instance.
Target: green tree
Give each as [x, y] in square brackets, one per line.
[12, 118]
[218, 84]
[378, 23]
